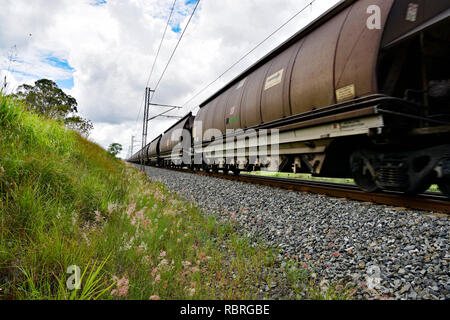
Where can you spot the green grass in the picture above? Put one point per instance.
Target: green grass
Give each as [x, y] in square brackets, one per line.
[65, 203]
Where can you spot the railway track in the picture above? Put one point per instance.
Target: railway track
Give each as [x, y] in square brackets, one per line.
[429, 201]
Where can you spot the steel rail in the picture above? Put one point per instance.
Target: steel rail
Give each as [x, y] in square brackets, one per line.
[429, 201]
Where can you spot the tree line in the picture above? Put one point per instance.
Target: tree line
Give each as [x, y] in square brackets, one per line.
[47, 99]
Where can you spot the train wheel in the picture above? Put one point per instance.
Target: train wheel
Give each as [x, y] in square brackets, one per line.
[421, 188]
[361, 174]
[444, 186]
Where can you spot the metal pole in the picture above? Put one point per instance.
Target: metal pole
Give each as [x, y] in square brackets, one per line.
[147, 104]
[148, 93]
[132, 145]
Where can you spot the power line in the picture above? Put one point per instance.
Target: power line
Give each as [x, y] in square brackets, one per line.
[246, 55]
[156, 57]
[160, 44]
[175, 49]
[234, 64]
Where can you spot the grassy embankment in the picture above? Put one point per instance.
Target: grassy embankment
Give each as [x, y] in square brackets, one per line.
[64, 201]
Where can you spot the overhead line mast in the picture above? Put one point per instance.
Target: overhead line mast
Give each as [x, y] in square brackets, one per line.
[149, 93]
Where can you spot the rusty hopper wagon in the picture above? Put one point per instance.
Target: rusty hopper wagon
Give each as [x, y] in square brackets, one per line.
[348, 99]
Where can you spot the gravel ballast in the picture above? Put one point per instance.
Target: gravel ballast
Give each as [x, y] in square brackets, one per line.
[384, 252]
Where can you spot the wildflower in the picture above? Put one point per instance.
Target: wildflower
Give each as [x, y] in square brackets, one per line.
[122, 287]
[98, 216]
[178, 240]
[86, 238]
[186, 263]
[158, 278]
[191, 292]
[164, 262]
[193, 284]
[154, 271]
[74, 218]
[154, 297]
[162, 254]
[195, 269]
[147, 223]
[2, 170]
[142, 247]
[111, 207]
[130, 209]
[126, 244]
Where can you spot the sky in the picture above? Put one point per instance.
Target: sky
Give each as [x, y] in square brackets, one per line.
[101, 52]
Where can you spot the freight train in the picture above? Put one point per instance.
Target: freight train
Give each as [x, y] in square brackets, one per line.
[363, 92]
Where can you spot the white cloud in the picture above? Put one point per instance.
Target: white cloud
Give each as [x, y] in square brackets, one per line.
[112, 46]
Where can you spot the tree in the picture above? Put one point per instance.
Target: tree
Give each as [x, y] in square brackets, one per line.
[79, 124]
[114, 148]
[47, 99]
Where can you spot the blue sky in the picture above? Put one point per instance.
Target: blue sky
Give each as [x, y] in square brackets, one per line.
[47, 66]
[64, 65]
[98, 2]
[183, 10]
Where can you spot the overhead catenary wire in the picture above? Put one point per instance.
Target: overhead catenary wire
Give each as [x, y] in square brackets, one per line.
[175, 49]
[156, 58]
[238, 61]
[246, 55]
[150, 97]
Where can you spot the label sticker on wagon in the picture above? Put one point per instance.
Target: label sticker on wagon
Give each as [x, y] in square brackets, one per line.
[273, 79]
[345, 93]
[411, 15]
